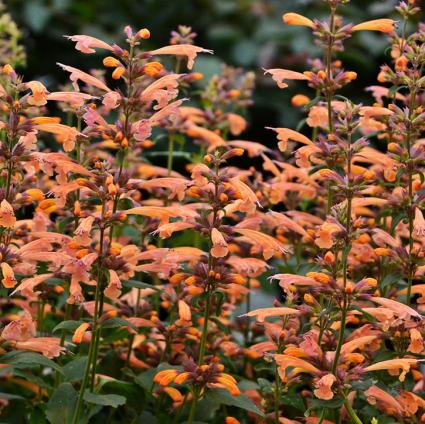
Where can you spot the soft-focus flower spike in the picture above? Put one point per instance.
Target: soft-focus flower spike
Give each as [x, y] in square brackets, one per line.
[296, 19]
[87, 44]
[279, 75]
[188, 50]
[382, 25]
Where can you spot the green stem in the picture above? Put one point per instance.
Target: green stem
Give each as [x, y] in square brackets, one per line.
[170, 153]
[192, 411]
[205, 328]
[351, 412]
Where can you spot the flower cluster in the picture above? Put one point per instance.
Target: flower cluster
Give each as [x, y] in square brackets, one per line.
[136, 237]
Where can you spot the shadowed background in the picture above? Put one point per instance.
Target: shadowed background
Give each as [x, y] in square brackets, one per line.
[242, 33]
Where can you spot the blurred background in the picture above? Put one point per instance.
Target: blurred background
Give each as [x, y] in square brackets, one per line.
[243, 33]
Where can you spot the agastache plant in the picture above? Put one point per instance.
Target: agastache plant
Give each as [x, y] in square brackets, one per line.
[142, 231]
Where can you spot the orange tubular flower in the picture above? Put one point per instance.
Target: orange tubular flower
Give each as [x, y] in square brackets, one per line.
[165, 377]
[7, 216]
[269, 245]
[382, 25]
[78, 335]
[187, 50]
[263, 313]
[296, 19]
[87, 44]
[403, 364]
[286, 134]
[324, 387]
[219, 248]
[8, 280]
[279, 75]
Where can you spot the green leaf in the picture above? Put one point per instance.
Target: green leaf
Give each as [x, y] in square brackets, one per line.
[61, 406]
[69, 326]
[104, 400]
[74, 370]
[117, 322]
[30, 359]
[138, 285]
[223, 397]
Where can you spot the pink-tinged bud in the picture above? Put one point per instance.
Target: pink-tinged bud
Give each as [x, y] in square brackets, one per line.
[382, 25]
[296, 19]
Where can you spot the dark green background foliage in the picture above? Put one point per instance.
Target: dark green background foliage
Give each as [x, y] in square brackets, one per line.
[246, 33]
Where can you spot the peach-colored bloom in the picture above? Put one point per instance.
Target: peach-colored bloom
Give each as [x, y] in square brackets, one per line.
[162, 91]
[8, 280]
[212, 138]
[177, 186]
[66, 135]
[324, 238]
[384, 400]
[237, 123]
[296, 19]
[82, 232]
[219, 248]
[162, 213]
[87, 44]
[7, 216]
[263, 313]
[74, 98]
[416, 341]
[76, 75]
[402, 364]
[269, 245]
[324, 387]
[113, 290]
[188, 50]
[39, 93]
[382, 25]
[299, 365]
[252, 148]
[286, 134]
[419, 223]
[47, 346]
[167, 230]
[403, 311]
[279, 75]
